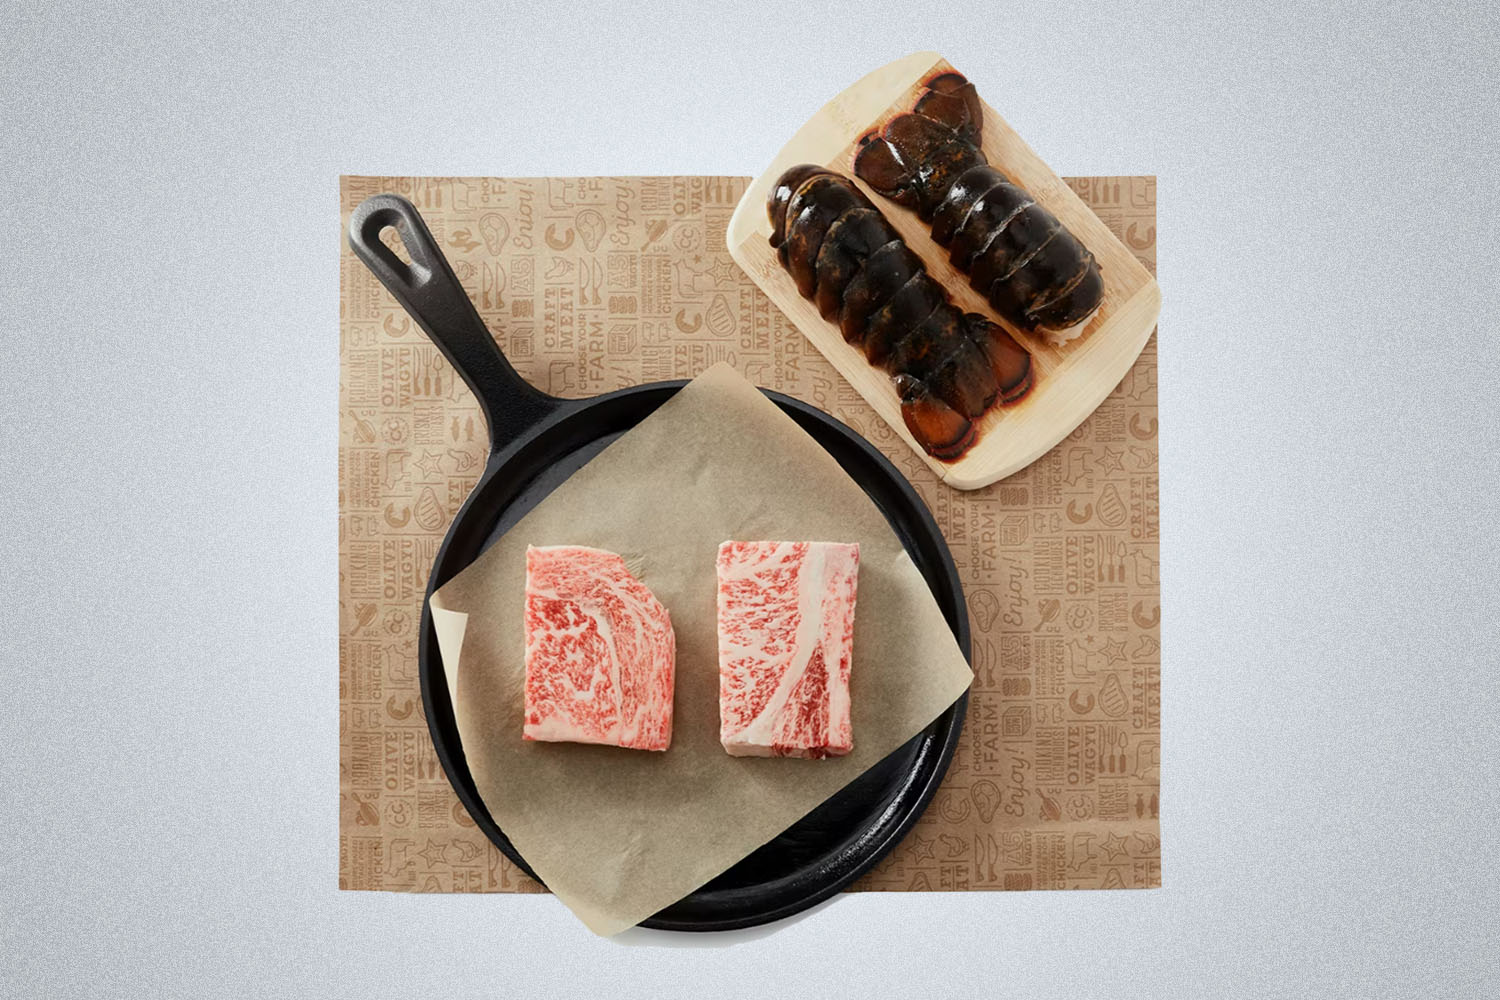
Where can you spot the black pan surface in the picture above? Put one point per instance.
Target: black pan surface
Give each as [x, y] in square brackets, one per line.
[537, 442]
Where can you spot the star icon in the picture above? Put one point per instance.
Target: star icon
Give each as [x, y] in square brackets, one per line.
[723, 271]
[1112, 461]
[433, 853]
[430, 464]
[921, 847]
[1114, 651]
[1114, 845]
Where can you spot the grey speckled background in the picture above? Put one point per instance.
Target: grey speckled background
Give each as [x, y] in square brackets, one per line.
[1331, 427]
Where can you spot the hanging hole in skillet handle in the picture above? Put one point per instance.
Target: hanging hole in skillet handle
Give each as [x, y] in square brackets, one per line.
[424, 284]
[391, 237]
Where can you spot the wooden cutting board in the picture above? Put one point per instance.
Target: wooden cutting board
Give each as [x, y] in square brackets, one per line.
[1071, 380]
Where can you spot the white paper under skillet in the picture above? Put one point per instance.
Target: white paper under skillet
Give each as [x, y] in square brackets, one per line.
[619, 834]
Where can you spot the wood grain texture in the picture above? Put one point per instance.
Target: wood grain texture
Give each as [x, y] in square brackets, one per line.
[1072, 380]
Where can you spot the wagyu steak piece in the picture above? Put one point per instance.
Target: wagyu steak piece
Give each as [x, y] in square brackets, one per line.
[600, 652]
[786, 630]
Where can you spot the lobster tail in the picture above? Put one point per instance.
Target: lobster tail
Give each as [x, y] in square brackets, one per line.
[949, 367]
[1030, 268]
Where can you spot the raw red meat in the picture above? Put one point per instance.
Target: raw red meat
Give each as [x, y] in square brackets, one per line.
[786, 630]
[600, 652]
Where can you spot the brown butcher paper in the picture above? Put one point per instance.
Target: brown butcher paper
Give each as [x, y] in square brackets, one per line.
[598, 283]
[619, 834]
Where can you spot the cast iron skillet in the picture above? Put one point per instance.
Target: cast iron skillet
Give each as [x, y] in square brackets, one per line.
[536, 442]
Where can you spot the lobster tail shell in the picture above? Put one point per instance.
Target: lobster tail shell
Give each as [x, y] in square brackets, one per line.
[943, 431]
[1033, 271]
[848, 259]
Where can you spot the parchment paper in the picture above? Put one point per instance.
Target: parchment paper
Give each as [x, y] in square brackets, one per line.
[618, 834]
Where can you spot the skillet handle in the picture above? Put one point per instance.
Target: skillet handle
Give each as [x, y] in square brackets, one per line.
[431, 293]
